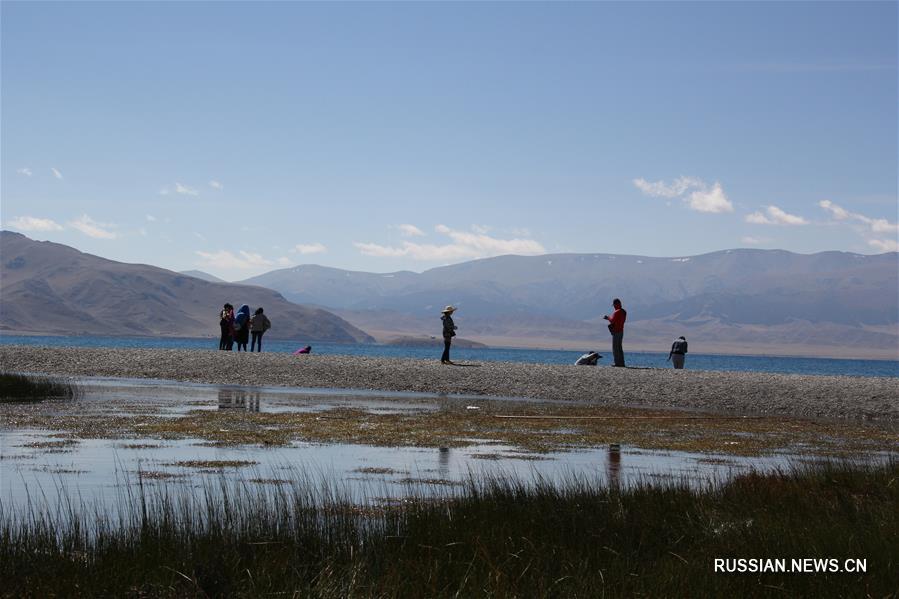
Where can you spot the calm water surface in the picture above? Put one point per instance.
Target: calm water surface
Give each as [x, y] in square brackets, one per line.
[51, 466]
[821, 366]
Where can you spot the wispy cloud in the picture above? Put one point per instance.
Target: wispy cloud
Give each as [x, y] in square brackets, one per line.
[463, 245]
[200, 236]
[410, 231]
[94, 229]
[24, 171]
[309, 248]
[216, 185]
[660, 189]
[243, 260]
[775, 216]
[869, 227]
[151, 218]
[56, 173]
[876, 225]
[179, 188]
[31, 223]
[185, 190]
[696, 193]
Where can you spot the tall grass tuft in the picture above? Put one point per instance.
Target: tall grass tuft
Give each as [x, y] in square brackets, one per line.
[496, 536]
[18, 387]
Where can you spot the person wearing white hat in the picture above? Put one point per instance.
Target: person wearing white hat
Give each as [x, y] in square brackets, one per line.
[449, 331]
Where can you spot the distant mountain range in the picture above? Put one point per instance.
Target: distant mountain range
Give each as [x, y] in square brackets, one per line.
[752, 301]
[55, 289]
[199, 274]
[734, 301]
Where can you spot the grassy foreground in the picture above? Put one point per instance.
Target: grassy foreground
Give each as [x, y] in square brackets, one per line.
[495, 538]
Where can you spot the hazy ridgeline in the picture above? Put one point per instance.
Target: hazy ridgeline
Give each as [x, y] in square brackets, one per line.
[497, 537]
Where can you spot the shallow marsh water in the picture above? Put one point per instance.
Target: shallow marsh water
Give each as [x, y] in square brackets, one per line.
[157, 433]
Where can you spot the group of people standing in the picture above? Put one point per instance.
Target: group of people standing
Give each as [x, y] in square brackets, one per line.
[237, 327]
[616, 329]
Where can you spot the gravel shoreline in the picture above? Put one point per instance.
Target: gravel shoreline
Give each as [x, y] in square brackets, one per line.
[730, 392]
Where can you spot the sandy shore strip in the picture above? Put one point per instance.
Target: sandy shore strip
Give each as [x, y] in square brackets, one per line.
[730, 392]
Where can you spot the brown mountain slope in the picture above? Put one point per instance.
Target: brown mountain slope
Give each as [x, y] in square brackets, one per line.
[55, 289]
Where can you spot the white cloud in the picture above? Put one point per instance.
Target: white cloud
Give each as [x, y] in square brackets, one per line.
[24, 171]
[151, 218]
[30, 223]
[884, 245]
[216, 185]
[56, 173]
[92, 228]
[710, 200]
[410, 231]
[464, 245]
[701, 198]
[243, 260]
[775, 216]
[309, 248]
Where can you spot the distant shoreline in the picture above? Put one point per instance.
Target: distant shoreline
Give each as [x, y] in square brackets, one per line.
[746, 393]
[570, 345]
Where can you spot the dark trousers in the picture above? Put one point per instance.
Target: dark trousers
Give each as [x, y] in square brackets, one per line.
[617, 350]
[447, 341]
[257, 338]
[225, 340]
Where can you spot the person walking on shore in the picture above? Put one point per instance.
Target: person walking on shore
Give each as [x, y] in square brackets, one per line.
[678, 352]
[259, 324]
[449, 331]
[616, 328]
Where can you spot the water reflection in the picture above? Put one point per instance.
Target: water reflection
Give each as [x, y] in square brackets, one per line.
[443, 462]
[613, 466]
[238, 399]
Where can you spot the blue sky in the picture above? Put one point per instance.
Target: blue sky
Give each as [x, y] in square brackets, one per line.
[241, 137]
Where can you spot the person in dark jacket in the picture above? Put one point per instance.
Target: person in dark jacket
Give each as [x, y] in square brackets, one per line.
[449, 331]
[678, 352]
[242, 327]
[226, 320]
[616, 328]
[259, 324]
[226, 323]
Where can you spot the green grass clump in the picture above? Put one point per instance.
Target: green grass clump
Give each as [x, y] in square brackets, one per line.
[17, 387]
[495, 537]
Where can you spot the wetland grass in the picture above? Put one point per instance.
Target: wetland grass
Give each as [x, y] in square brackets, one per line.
[497, 537]
[21, 388]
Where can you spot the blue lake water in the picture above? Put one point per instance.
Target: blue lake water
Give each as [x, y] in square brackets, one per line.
[788, 365]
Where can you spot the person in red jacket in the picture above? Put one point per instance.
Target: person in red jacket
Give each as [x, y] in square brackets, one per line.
[616, 327]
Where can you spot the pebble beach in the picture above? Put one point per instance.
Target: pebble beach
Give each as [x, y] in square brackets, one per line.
[743, 393]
